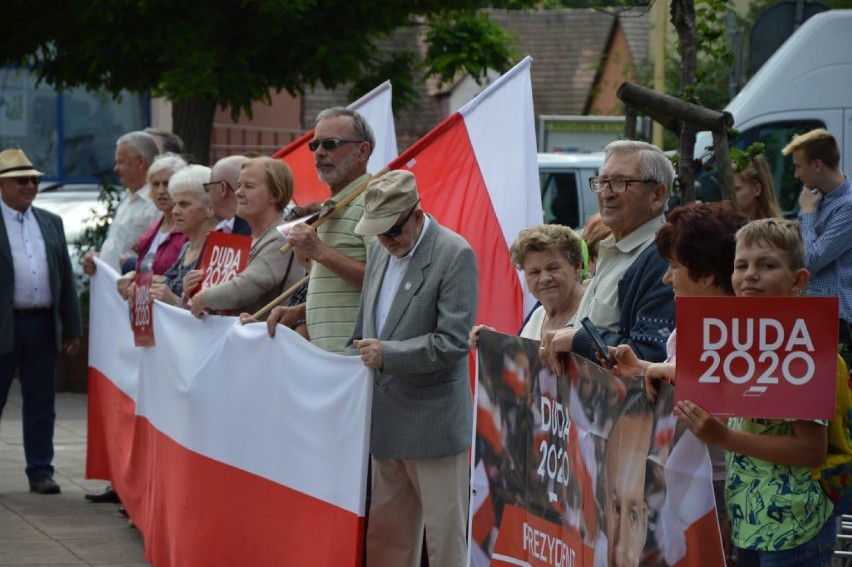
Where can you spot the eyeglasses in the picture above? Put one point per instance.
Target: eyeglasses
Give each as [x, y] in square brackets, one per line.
[618, 185]
[330, 144]
[396, 229]
[212, 183]
[24, 180]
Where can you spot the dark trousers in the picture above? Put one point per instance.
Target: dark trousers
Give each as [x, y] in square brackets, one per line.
[34, 356]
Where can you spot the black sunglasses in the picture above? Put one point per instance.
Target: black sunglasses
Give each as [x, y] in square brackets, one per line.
[210, 184]
[396, 229]
[330, 144]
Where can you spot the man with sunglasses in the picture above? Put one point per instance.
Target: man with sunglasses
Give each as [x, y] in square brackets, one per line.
[418, 303]
[342, 144]
[39, 312]
[626, 298]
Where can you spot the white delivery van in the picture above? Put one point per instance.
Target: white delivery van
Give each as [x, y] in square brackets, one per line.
[565, 194]
[806, 84]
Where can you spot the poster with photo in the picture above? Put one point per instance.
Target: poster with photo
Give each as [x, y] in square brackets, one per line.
[581, 469]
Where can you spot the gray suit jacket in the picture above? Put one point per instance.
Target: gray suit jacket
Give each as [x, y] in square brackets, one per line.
[422, 405]
[66, 309]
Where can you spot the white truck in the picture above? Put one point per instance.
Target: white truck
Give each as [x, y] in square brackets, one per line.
[806, 84]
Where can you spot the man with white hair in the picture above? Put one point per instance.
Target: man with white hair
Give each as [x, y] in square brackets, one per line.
[626, 299]
[134, 153]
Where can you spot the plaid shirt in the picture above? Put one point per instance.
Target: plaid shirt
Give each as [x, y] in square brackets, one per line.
[828, 241]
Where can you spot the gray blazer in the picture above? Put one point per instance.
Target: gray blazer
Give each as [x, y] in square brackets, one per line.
[66, 308]
[422, 404]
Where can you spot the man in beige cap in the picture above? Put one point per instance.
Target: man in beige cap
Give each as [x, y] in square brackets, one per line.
[418, 302]
[39, 312]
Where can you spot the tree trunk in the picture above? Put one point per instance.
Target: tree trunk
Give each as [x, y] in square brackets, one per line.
[193, 122]
[683, 18]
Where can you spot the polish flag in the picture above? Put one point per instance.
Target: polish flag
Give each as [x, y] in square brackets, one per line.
[225, 446]
[375, 107]
[477, 173]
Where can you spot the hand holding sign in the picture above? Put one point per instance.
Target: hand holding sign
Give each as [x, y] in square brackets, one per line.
[758, 356]
[141, 313]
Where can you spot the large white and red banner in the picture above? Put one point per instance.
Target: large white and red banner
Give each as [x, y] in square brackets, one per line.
[582, 469]
[376, 109]
[773, 357]
[477, 173]
[228, 447]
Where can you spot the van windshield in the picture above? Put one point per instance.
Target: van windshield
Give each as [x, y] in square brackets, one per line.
[775, 135]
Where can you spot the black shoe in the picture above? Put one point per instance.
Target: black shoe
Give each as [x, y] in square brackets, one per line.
[123, 511]
[44, 485]
[107, 496]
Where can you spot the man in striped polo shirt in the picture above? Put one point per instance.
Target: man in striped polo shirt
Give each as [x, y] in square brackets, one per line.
[342, 144]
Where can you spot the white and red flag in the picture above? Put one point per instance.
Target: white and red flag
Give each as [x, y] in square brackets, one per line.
[375, 107]
[228, 447]
[477, 173]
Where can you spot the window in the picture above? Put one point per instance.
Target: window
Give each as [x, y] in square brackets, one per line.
[775, 135]
[70, 136]
[559, 198]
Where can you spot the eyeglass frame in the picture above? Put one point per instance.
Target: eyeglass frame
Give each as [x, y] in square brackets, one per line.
[597, 183]
[22, 180]
[396, 229]
[209, 183]
[314, 145]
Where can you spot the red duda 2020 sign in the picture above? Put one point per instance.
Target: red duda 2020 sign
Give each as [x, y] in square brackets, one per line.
[758, 357]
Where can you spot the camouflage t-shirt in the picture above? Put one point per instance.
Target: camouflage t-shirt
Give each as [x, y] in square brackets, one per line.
[772, 507]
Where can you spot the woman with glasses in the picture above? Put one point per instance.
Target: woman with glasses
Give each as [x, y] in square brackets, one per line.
[265, 188]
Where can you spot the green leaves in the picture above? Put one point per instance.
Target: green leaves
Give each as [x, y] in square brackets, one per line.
[466, 41]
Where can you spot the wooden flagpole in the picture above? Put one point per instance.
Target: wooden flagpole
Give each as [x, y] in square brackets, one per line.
[322, 218]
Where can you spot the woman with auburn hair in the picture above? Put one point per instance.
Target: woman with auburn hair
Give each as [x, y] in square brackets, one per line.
[699, 241]
[265, 187]
[755, 191]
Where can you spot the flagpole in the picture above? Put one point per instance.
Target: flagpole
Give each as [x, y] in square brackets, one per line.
[324, 217]
[286, 295]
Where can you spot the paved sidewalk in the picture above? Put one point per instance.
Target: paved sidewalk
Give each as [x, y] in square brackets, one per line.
[58, 530]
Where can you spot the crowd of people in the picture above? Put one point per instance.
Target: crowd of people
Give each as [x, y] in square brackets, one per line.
[387, 283]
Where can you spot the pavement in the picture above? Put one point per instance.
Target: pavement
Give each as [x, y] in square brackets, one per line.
[64, 529]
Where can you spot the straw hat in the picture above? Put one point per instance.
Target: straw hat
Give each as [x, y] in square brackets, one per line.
[14, 163]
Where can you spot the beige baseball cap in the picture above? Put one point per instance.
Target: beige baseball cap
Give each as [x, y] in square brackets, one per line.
[385, 198]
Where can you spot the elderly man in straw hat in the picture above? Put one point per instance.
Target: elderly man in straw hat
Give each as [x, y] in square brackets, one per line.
[418, 302]
[39, 313]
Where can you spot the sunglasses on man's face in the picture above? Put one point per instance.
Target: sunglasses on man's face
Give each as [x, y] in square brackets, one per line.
[207, 186]
[330, 144]
[22, 181]
[396, 229]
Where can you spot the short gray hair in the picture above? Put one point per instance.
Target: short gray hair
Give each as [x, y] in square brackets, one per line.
[166, 162]
[140, 144]
[655, 164]
[191, 179]
[361, 129]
